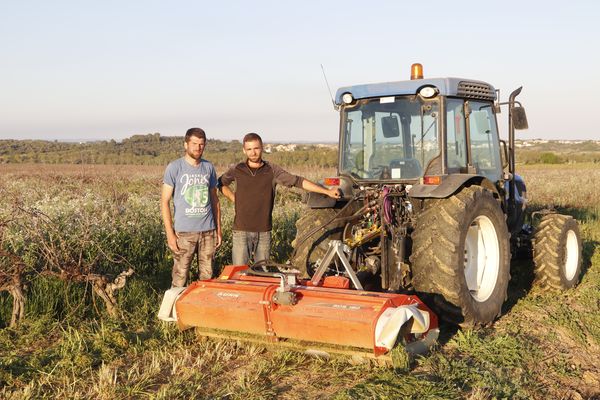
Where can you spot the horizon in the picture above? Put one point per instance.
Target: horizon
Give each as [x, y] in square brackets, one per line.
[165, 136]
[312, 142]
[228, 139]
[108, 139]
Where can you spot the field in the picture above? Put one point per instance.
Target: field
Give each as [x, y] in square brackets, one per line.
[68, 231]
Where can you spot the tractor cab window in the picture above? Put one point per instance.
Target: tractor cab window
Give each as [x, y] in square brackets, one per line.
[483, 134]
[389, 138]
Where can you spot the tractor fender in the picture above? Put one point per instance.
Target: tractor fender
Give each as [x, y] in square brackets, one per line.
[319, 200]
[450, 185]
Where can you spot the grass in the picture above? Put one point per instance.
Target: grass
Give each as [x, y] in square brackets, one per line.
[545, 346]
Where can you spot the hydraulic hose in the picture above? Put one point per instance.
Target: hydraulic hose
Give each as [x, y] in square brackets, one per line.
[266, 263]
[356, 215]
[265, 274]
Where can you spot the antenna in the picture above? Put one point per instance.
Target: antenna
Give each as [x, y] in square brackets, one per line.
[328, 88]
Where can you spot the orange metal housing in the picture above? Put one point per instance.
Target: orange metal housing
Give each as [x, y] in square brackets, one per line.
[244, 303]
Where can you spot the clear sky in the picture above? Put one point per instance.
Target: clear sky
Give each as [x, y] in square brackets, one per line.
[83, 70]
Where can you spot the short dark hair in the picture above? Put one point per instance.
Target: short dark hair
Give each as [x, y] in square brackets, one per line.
[197, 132]
[250, 137]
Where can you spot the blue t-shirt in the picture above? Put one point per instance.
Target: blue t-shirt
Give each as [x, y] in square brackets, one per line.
[191, 194]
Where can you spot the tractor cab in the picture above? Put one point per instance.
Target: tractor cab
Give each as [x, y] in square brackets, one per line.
[416, 130]
[432, 135]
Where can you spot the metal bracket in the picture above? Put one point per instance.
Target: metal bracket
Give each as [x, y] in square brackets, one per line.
[336, 248]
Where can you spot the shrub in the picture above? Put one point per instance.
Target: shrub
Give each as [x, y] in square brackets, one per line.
[550, 158]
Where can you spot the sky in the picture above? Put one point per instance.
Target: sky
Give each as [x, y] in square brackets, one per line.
[99, 70]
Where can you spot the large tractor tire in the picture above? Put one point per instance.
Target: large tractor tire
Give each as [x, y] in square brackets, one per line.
[309, 250]
[461, 257]
[557, 253]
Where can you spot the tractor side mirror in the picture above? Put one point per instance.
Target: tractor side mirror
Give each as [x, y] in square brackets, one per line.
[519, 118]
[390, 126]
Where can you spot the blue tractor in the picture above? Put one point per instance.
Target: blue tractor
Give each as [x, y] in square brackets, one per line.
[431, 201]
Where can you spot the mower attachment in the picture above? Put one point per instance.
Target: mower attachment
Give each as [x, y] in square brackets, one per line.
[280, 307]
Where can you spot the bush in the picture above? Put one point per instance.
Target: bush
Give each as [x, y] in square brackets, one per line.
[550, 158]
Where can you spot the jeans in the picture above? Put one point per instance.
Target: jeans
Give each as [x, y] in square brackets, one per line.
[250, 245]
[191, 243]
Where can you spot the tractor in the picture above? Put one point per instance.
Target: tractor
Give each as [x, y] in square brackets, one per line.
[431, 202]
[431, 212]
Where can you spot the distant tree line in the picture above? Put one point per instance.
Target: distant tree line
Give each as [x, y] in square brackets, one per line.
[150, 149]
[154, 149]
[559, 152]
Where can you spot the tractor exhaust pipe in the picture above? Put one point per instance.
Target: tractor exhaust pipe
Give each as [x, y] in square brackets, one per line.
[516, 120]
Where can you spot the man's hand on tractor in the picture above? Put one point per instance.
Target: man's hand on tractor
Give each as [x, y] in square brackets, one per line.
[334, 193]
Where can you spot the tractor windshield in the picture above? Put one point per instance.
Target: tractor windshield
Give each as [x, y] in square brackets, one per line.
[389, 137]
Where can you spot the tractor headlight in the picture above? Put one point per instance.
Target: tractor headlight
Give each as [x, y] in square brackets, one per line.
[347, 98]
[428, 92]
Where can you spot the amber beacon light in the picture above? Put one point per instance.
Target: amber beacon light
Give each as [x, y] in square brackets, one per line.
[416, 71]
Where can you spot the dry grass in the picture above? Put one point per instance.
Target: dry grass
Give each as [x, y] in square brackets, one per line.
[565, 185]
[545, 346]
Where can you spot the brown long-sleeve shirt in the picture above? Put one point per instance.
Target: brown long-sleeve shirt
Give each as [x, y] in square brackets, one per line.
[255, 193]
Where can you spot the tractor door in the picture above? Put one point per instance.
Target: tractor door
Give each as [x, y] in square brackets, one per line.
[456, 136]
[483, 140]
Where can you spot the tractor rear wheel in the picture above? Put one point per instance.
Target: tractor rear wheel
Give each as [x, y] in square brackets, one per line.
[461, 256]
[309, 249]
[557, 253]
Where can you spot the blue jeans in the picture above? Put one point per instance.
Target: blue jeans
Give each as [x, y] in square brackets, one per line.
[250, 245]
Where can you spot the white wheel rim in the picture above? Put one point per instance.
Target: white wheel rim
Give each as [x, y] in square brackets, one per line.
[482, 258]
[571, 255]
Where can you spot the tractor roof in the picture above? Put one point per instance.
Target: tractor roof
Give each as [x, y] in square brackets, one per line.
[447, 87]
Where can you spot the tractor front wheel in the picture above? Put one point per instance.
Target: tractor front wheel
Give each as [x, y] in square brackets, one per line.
[557, 252]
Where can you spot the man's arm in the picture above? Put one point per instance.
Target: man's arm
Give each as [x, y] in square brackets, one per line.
[224, 181]
[285, 178]
[216, 209]
[313, 187]
[227, 192]
[165, 210]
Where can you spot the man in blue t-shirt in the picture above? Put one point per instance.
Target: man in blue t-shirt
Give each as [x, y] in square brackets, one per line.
[191, 182]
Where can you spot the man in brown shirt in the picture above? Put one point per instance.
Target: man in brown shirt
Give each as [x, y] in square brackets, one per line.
[254, 198]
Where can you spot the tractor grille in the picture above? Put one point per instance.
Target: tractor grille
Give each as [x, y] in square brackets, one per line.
[476, 90]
